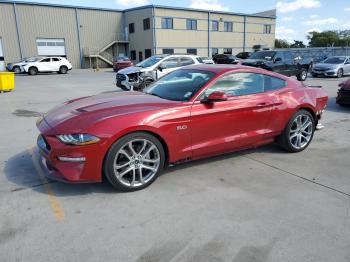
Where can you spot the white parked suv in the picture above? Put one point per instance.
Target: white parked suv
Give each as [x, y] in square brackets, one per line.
[46, 64]
[149, 70]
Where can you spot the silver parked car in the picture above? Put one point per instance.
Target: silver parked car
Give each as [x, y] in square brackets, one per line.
[333, 66]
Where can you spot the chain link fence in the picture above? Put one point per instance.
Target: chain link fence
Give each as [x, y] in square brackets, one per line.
[319, 53]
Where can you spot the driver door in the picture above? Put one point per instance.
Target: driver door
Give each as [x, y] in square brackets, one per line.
[168, 65]
[236, 123]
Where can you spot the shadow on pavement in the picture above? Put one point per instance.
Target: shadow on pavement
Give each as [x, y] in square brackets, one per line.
[20, 170]
[332, 106]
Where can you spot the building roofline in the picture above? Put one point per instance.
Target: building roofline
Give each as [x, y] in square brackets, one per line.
[197, 10]
[134, 8]
[59, 5]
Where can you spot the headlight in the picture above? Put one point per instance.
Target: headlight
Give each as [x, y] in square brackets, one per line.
[78, 139]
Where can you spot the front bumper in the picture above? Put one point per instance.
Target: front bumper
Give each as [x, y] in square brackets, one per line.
[66, 163]
[343, 96]
[332, 72]
[123, 81]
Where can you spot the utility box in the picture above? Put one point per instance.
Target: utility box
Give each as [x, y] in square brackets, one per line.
[7, 81]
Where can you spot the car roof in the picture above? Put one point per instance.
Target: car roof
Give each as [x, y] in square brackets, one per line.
[224, 68]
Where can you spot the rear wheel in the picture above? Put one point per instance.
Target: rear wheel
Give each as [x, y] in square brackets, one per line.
[302, 75]
[340, 73]
[299, 132]
[134, 161]
[32, 71]
[63, 70]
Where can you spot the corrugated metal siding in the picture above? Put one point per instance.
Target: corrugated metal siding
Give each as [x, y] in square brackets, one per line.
[48, 22]
[8, 33]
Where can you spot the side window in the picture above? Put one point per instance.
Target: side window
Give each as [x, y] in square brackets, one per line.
[273, 83]
[55, 59]
[238, 84]
[171, 63]
[288, 56]
[279, 55]
[184, 61]
[45, 60]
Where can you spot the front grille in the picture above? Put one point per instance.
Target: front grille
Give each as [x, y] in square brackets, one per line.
[320, 69]
[42, 143]
[121, 77]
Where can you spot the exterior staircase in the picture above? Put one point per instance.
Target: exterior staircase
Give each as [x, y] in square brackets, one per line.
[103, 54]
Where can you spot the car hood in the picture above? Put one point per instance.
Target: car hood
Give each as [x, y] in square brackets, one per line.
[345, 84]
[132, 70]
[80, 114]
[325, 66]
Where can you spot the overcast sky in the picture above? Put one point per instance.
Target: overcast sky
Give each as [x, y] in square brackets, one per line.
[294, 18]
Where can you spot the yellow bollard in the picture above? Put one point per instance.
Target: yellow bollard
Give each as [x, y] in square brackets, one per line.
[7, 81]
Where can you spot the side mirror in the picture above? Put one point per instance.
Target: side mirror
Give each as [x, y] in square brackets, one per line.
[161, 67]
[216, 96]
[278, 59]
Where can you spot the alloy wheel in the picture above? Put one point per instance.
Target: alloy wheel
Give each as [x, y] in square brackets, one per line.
[301, 131]
[137, 162]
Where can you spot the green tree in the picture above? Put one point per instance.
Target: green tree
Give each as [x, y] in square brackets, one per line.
[281, 43]
[297, 44]
[329, 38]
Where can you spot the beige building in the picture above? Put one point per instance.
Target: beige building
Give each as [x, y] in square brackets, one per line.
[93, 36]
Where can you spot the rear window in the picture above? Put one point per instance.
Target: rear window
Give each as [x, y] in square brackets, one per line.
[273, 83]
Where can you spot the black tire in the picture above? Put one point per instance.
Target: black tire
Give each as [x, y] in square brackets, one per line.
[284, 139]
[124, 88]
[108, 167]
[340, 73]
[302, 76]
[16, 69]
[32, 71]
[63, 70]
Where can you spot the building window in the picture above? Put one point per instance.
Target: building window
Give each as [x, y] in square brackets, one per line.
[146, 24]
[215, 26]
[191, 24]
[140, 56]
[214, 51]
[167, 23]
[168, 51]
[133, 55]
[131, 28]
[148, 53]
[267, 29]
[228, 26]
[228, 51]
[192, 51]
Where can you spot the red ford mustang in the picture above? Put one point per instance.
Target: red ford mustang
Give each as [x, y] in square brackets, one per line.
[191, 113]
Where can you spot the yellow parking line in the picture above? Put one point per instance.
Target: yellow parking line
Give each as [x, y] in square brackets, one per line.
[55, 205]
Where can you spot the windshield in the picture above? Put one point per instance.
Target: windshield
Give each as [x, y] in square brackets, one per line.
[334, 60]
[179, 85]
[266, 55]
[150, 61]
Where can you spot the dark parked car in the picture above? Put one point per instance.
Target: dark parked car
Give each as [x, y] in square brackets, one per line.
[343, 97]
[225, 59]
[121, 62]
[243, 55]
[282, 62]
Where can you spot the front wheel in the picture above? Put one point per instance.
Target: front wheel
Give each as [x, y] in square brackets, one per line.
[299, 132]
[302, 75]
[340, 73]
[32, 71]
[17, 69]
[134, 161]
